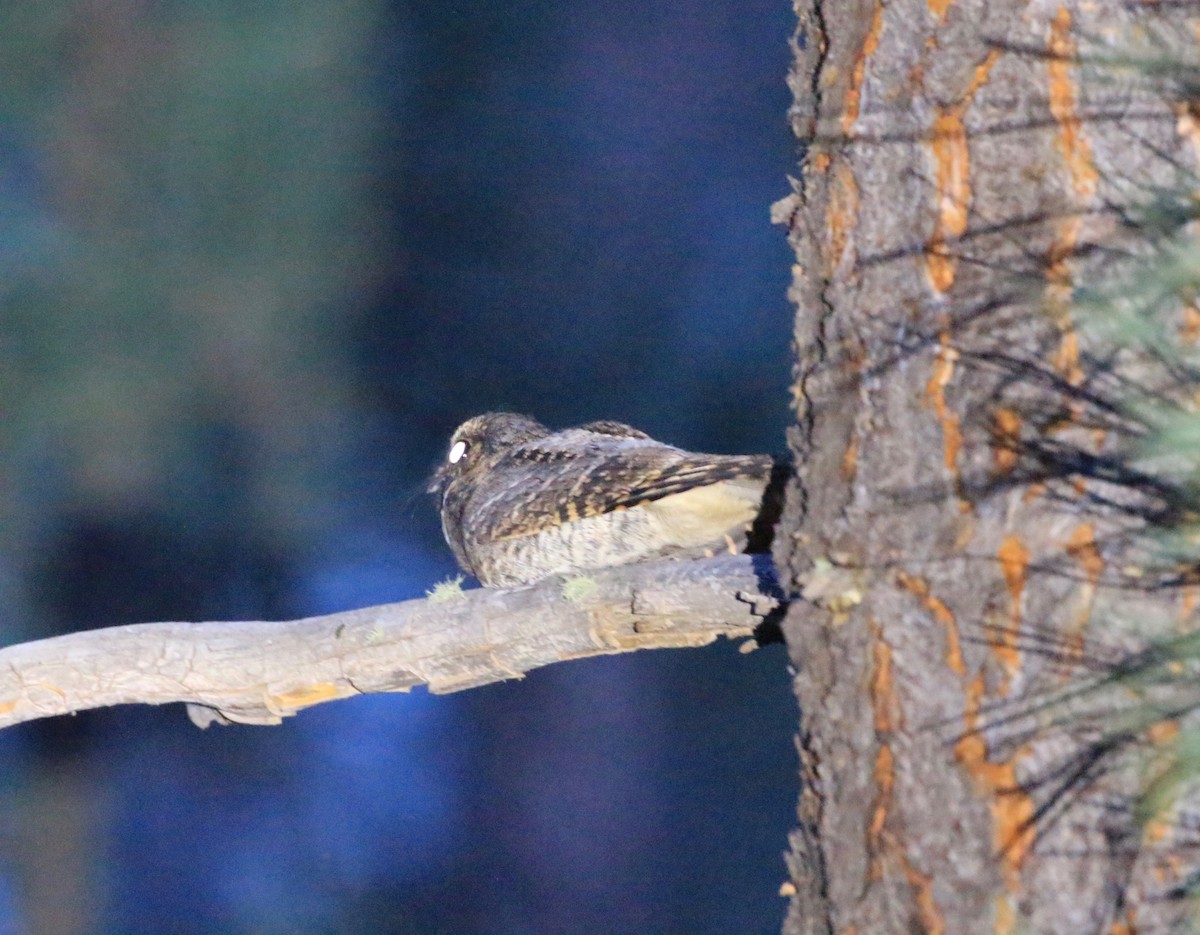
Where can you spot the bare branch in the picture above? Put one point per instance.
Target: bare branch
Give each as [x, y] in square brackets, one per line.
[258, 672]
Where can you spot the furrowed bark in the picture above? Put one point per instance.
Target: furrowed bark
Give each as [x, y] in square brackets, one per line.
[962, 162]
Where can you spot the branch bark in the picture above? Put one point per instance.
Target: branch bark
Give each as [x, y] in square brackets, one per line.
[258, 672]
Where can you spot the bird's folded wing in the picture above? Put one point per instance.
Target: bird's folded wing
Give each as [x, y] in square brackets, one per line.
[624, 480]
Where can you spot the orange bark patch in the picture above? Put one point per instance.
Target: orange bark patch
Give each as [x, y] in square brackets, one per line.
[952, 174]
[1006, 916]
[940, 8]
[932, 922]
[1123, 926]
[1165, 822]
[309, 695]
[941, 613]
[935, 391]
[952, 165]
[1187, 601]
[982, 70]
[1082, 547]
[1187, 127]
[883, 688]
[1014, 562]
[1012, 809]
[1058, 299]
[883, 703]
[1189, 328]
[1161, 732]
[885, 780]
[1077, 152]
[850, 460]
[1006, 433]
[1081, 168]
[854, 92]
[843, 213]
[882, 845]
[1066, 359]
[1155, 830]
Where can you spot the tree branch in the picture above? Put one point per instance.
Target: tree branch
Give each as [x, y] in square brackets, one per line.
[258, 672]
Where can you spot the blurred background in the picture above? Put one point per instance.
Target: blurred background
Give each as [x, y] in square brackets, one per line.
[258, 260]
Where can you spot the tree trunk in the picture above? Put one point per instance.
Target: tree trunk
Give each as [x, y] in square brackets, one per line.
[965, 170]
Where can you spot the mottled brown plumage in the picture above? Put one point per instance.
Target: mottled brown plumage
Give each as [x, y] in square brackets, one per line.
[519, 502]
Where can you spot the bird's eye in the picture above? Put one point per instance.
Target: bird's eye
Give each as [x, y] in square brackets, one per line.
[457, 450]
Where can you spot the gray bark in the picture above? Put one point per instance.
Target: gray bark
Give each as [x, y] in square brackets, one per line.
[258, 672]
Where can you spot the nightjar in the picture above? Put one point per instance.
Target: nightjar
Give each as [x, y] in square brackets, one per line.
[519, 502]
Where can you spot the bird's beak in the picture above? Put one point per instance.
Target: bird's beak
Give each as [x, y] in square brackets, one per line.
[437, 483]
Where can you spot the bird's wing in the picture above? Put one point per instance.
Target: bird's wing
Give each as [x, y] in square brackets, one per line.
[595, 482]
[614, 429]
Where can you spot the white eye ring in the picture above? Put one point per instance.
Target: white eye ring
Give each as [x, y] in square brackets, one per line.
[457, 450]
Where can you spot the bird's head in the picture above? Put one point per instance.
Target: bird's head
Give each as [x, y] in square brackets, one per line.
[481, 441]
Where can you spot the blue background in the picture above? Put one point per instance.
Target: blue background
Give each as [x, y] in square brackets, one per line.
[258, 261]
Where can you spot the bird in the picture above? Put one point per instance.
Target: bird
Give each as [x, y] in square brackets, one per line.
[520, 502]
